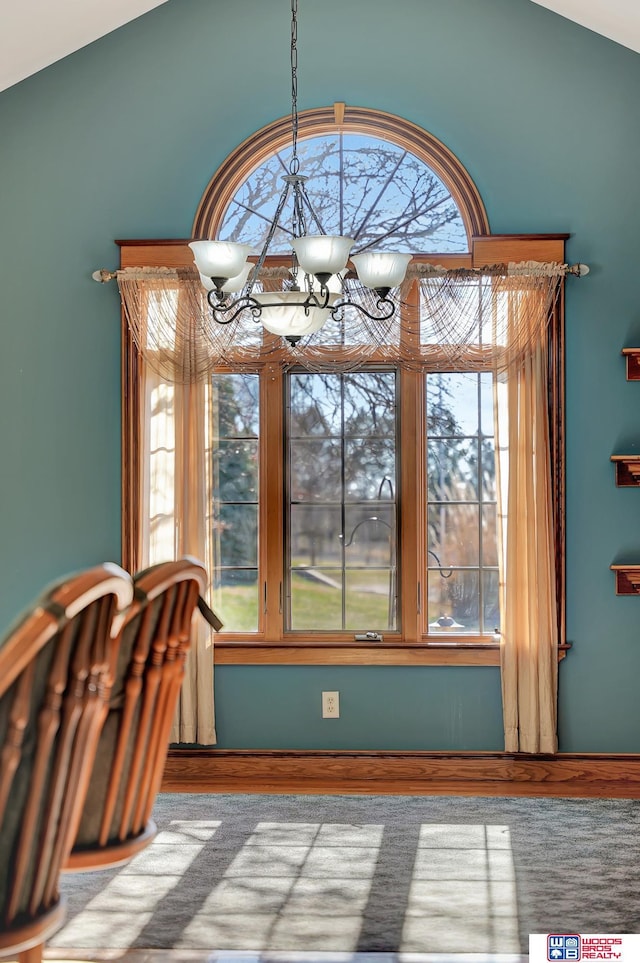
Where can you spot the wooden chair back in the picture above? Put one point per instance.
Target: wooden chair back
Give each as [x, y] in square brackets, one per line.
[147, 665]
[53, 687]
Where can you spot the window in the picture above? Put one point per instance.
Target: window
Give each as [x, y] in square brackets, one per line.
[346, 500]
[341, 502]
[352, 516]
[235, 464]
[462, 569]
[362, 186]
[337, 564]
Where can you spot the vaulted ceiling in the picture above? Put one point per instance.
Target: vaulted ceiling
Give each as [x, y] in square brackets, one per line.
[617, 19]
[62, 27]
[67, 25]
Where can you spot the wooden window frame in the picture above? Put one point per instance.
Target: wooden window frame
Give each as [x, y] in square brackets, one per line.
[272, 646]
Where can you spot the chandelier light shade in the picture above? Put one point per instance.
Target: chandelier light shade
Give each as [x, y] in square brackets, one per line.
[381, 272]
[322, 260]
[220, 260]
[322, 256]
[232, 286]
[281, 314]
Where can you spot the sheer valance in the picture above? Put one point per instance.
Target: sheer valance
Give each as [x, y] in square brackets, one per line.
[491, 317]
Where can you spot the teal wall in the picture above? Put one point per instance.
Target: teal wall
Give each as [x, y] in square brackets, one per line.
[119, 141]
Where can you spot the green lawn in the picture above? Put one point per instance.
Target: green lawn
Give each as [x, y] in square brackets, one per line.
[315, 606]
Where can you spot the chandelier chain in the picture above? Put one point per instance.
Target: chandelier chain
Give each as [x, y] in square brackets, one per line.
[322, 259]
[272, 229]
[294, 165]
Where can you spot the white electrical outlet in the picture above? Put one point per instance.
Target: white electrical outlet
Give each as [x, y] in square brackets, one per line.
[330, 705]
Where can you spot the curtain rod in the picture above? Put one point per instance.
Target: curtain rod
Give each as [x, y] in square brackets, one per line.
[577, 270]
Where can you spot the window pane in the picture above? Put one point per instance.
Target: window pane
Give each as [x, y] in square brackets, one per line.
[370, 598]
[370, 469]
[315, 406]
[235, 466]
[369, 404]
[235, 396]
[237, 529]
[452, 469]
[315, 535]
[235, 599]
[315, 470]
[359, 185]
[316, 599]
[370, 537]
[461, 509]
[454, 602]
[454, 534]
[452, 404]
[235, 462]
[349, 474]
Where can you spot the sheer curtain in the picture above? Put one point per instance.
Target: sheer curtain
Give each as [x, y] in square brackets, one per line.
[467, 320]
[174, 470]
[516, 305]
[529, 617]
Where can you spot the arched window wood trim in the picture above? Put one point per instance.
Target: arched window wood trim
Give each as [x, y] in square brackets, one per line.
[356, 120]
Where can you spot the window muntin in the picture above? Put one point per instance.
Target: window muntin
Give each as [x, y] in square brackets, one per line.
[462, 534]
[235, 491]
[341, 505]
[361, 186]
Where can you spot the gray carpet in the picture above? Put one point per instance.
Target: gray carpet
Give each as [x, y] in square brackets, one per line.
[365, 874]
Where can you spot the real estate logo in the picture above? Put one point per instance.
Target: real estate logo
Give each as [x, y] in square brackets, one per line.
[569, 946]
[561, 946]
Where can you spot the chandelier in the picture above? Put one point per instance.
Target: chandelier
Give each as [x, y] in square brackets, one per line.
[315, 290]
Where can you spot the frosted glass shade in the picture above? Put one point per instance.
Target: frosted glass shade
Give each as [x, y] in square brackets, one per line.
[232, 285]
[288, 319]
[322, 254]
[381, 270]
[220, 259]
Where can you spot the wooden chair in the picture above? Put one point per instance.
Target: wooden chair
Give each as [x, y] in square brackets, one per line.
[53, 676]
[147, 665]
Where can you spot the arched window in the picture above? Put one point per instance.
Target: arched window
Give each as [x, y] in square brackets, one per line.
[361, 186]
[348, 515]
[373, 176]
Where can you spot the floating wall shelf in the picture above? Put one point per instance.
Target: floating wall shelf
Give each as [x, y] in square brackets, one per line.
[633, 363]
[627, 579]
[627, 470]
[627, 476]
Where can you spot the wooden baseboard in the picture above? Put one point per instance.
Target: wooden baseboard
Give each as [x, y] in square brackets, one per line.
[402, 773]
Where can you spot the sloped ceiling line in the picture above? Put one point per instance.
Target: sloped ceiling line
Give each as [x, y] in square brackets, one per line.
[63, 27]
[67, 25]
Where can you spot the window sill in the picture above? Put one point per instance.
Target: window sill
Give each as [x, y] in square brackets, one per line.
[353, 653]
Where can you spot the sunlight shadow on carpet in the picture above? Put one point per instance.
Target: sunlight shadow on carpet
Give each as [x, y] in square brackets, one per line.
[286, 886]
[463, 891]
[118, 913]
